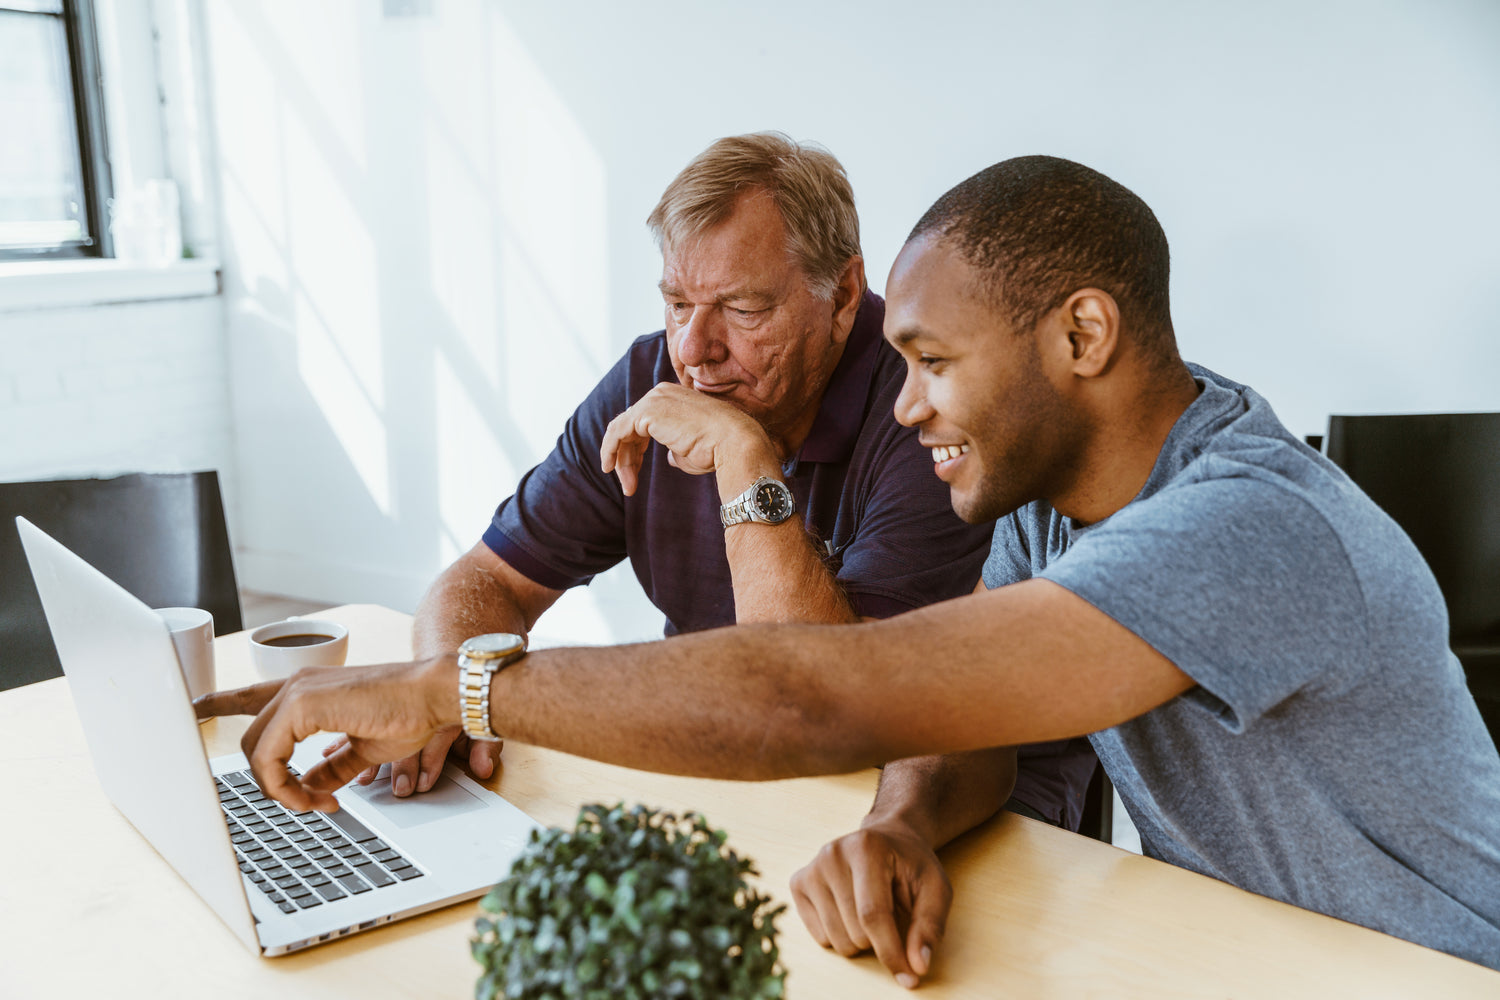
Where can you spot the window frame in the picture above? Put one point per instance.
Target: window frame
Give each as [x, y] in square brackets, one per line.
[81, 31]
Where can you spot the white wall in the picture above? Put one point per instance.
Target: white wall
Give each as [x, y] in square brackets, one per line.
[104, 390]
[434, 240]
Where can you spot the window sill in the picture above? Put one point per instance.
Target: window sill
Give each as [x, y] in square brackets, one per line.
[72, 284]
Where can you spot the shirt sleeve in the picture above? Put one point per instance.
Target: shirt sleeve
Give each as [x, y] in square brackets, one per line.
[910, 549]
[1236, 581]
[566, 521]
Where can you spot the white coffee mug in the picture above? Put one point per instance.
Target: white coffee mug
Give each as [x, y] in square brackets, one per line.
[282, 648]
[192, 632]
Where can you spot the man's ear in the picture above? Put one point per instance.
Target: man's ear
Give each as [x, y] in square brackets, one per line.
[1091, 321]
[846, 298]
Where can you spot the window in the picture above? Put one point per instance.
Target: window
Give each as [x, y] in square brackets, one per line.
[54, 173]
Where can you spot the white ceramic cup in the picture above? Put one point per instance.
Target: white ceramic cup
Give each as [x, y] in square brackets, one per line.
[193, 636]
[273, 661]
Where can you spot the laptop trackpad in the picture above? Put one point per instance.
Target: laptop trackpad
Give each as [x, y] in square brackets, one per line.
[444, 800]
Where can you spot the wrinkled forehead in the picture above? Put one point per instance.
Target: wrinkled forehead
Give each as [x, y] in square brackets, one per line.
[748, 248]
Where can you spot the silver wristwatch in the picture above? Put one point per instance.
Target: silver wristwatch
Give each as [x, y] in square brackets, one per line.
[479, 659]
[768, 501]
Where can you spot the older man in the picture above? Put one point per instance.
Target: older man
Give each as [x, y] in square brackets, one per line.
[770, 385]
[1259, 652]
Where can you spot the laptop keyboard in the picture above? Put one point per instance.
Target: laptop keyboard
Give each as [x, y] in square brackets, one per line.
[305, 859]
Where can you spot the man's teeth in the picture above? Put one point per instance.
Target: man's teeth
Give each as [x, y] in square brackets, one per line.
[946, 452]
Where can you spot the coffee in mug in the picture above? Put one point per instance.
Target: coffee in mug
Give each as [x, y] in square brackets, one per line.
[305, 639]
[282, 648]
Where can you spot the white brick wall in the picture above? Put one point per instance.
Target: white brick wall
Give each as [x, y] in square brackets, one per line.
[101, 390]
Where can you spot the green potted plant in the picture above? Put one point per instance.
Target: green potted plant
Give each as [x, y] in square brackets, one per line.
[630, 903]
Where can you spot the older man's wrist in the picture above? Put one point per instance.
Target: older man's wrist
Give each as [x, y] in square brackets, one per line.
[735, 475]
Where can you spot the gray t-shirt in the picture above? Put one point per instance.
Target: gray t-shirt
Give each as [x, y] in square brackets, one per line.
[1330, 755]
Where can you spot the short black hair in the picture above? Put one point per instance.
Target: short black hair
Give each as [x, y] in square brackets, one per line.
[1038, 228]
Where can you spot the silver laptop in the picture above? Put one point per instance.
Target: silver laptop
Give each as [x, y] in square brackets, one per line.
[281, 881]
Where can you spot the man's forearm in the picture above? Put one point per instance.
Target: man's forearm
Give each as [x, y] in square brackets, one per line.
[1023, 664]
[659, 707]
[464, 601]
[779, 576]
[941, 797]
[776, 570]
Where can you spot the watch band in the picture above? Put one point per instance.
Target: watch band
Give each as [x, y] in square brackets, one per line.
[477, 667]
[736, 511]
[474, 696]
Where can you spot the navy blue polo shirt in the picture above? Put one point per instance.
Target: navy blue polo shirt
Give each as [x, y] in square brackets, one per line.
[863, 485]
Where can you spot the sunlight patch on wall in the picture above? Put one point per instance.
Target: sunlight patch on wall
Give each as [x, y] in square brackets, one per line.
[342, 397]
[324, 43]
[340, 355]
[462, 254]
[251, 152]
[334, 257]
[459, 191]
[473, 472]
[291, 142]
[554, 294]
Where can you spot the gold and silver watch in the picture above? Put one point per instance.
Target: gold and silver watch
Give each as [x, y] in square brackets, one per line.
[767, 501]
[479, 659]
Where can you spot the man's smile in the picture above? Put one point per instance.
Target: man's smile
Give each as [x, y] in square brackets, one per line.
[946, 457]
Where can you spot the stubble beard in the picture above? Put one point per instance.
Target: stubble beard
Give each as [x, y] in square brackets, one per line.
[1040, 427]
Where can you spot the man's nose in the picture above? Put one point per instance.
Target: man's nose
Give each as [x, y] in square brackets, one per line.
[699, 340]
[911, 403]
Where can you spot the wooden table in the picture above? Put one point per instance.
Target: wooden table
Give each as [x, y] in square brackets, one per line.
[88, 909]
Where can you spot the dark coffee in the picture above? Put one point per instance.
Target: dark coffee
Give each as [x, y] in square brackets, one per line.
[301, 639]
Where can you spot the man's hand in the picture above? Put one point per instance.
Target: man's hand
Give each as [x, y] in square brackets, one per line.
[880, 887]
[388, 712]
[418, 772]
[699, 432]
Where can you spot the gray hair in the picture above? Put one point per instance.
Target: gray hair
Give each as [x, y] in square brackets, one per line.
[807, 183]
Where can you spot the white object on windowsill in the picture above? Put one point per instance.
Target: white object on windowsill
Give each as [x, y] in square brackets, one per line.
[146, 224]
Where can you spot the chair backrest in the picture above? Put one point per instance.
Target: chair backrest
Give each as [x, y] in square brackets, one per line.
[160, 536]
[1438, 476]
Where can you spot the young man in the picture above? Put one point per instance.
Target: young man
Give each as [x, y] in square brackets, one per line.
[1259, 654]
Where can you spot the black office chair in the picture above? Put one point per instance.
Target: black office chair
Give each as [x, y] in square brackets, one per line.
[1098, 819]
[1438, 475]
[160, 536]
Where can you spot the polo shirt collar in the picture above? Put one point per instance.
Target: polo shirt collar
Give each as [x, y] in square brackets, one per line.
[841, 414]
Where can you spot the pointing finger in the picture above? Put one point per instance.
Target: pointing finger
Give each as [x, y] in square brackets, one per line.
[239, 701]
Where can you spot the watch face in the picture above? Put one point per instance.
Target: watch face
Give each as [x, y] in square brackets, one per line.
[773, 501]
[493, 644]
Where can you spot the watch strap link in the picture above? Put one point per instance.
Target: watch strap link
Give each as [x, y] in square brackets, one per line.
[474, 677]
[737, 511]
